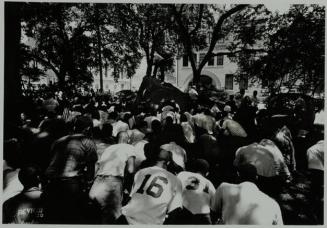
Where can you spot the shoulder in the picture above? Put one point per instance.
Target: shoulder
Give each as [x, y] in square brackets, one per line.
[225, 186]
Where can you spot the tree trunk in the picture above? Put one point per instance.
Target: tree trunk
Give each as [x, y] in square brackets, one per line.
[155, 70]
[162, 73]
[61, 79]
[99, 45]
[149, 69]
[196, 77]
[12, 78]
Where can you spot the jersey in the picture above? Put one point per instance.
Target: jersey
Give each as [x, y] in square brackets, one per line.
[113, 159]
[198, 192]
[155, 193]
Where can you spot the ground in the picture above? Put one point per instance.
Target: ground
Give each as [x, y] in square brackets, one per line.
[296, 203]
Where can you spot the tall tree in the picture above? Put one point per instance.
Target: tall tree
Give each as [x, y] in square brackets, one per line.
[199, 28]
[292, 50]
[59, 40]
[152, 26]
[112, 46]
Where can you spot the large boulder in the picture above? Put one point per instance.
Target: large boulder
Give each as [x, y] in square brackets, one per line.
[153, 90]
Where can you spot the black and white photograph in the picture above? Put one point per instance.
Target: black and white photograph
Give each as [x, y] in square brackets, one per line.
[163, 113]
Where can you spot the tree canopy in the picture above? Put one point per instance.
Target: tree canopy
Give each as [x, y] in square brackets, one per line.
[292, 50]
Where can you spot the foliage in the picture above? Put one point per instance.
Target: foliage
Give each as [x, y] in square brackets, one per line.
[28, 66]
[200, 27]
[59, 41]
[119, 48]
[292, 50]
[150, 25]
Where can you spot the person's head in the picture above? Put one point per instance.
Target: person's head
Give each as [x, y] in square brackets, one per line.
[83, 124]
[227, 110]
[231, 97]
[207, 112]
[169, 121]
[242, 91]
[143, 126]
[156, 126]
[246, 102]
[200, 166]
[123, 137]
[164, 158]
[183, 118]
[247, 172]
[255, 93]
[106, 131]
[113, 116]
[29, 177]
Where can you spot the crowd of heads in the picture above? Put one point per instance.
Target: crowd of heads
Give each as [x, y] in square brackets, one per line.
[110, 120]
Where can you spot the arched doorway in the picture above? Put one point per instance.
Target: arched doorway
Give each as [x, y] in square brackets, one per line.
[207, 78]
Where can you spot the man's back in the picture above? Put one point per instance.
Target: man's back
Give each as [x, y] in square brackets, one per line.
[198, 192]
[113, 159]
[155, 193]
[245, 204]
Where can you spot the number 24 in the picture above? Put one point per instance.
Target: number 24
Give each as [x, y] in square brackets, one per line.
[154, 184]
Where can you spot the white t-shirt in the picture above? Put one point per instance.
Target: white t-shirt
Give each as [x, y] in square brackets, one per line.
[113, 159]
[135, 136]
[155, 193]
[315, 156]
[179, 154]
[118, 127]
[245, 204]
[198, 192]
[139, 153]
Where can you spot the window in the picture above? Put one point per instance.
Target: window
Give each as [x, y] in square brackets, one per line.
[211, 61]
[244, 83]
[220, 60]
[221, 41]
[201, 57]
[122, 86]
[185, 61]
[107, 86]
[229, 81]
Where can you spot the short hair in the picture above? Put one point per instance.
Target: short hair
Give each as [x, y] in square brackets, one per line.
[183, 117]
[169, 120]
[113, 115]
[82, 123]
[29, 176]
[123, 137]
[164, 155]
[200, 166]
[247, 172]
[156, 125]
[151, 151]
[106, 130]
[142, 124]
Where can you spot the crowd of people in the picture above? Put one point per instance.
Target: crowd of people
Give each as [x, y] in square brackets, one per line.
[87, 159]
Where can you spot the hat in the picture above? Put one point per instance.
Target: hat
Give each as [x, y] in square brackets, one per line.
[227, 108]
